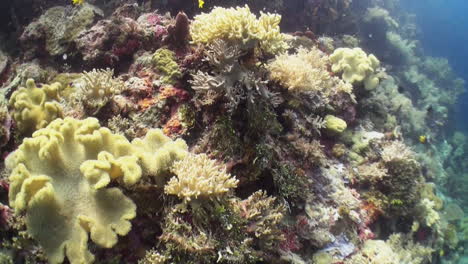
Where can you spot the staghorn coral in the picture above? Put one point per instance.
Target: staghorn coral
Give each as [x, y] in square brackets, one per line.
[96, 88]
[307, 70]
[356, 66]
[198, 177]
[33, 108]
[59, 177]
[239, 26]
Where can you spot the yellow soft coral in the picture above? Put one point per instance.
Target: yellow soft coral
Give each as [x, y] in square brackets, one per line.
[59, 177]
[239, 26]
[33, 108]
[199, 176]
[154, 162]
[356, 66]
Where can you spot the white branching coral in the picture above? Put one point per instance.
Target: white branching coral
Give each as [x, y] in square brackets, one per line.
[307, 70]
[199, 176]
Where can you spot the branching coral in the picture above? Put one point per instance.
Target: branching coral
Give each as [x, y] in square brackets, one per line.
[307, 70]
[232, 80]
[356, 66]
[96, 88]
[239, 26]
[197, 177]
[33, 108]
[263, 215]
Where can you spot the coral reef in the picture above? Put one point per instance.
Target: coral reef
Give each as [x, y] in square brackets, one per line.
[205, 133]
[59, 27]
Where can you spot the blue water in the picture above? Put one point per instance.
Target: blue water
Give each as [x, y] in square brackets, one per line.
[444, 26]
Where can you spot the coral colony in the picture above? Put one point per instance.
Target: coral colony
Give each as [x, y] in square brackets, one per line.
[142, 134]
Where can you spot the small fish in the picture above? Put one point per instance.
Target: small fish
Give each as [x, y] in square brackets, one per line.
[78, 2]
[401, 89]
[423, 139]
[201, 3]
[65, 56]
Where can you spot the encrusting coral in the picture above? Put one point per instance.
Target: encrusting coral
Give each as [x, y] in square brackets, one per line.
[60, 178]
[356, 66]
[239, 26]
[164, 60]
[33, 108]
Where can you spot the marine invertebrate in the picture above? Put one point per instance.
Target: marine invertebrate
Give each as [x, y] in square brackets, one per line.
[96, 88]
[155, 163]
[60, 177]
[263, 216]
[231, 79]
[334, 124]
[164, 60]
[356, 66]
[199, 177]
[239, 26]
[376, 14]
[307, 71]
[33, 108]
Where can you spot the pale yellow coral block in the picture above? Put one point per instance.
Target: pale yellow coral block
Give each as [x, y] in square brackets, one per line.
[60, 177]
[33, 108]
[199, 176]
[356, 66]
